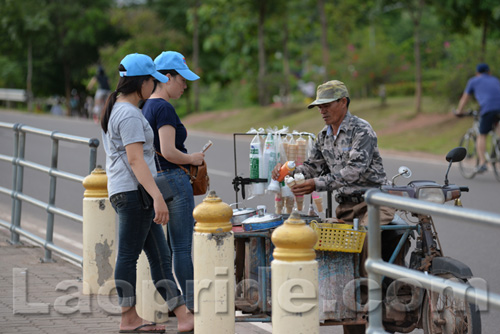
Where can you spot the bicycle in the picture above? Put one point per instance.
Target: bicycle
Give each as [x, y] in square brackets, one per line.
[468, 167]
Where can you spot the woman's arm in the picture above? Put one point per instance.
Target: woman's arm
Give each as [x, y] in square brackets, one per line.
[171, 153]
[143, 174]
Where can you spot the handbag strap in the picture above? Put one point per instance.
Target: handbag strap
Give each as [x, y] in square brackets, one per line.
[123, 160]
[191, 177]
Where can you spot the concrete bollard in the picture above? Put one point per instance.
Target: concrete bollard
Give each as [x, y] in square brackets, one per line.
[99, 246]
[213, 243]
[294, 278]
[150, 305]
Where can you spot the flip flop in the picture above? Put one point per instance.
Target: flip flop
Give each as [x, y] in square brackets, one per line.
[139, 329]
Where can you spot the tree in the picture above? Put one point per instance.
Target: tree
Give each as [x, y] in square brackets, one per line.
[60, 40]
[484, 14]
[22, 24]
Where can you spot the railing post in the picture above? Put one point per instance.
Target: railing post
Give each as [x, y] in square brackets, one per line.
[18, 178]
[214, 284]
[375, 325]
[49, 233]
[294, 278]
[99, 246]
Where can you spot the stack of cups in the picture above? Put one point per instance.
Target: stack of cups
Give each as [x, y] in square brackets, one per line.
[278, 203]
[301, 151]
[299, 179]
[289, 200]
[292, 152]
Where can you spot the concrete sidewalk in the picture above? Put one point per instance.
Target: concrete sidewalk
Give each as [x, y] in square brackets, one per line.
[44, 298]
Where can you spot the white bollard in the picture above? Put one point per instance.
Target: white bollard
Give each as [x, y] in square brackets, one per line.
[213, 258]
[99, 244]
[150, 305]
[294, 278]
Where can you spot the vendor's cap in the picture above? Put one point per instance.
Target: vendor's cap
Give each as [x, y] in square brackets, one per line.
[171, 60]
[137, 64]
[482, 68]
[328, 92]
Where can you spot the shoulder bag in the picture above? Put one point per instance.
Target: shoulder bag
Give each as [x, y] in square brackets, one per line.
[198, 177]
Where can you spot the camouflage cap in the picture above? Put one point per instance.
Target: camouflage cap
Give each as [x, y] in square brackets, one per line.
[328, 92]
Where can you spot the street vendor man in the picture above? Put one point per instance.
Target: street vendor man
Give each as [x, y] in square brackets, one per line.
[345, 158]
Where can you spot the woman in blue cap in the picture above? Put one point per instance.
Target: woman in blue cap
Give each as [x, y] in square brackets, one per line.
[128, 142]
[170, 135]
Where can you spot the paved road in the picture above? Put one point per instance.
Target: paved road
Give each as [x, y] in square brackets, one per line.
[472, 245]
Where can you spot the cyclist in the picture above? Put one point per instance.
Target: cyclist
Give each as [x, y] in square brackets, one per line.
[486, 90]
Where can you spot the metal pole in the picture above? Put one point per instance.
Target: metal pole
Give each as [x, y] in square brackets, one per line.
[93, 144]
[16, 218]
[374, 280]
[14, 237]
[235, 168]
[49, 233]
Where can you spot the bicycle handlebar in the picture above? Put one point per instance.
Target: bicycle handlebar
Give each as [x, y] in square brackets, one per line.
[468, 113]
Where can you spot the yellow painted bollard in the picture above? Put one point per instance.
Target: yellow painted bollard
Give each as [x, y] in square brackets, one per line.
[213, 262]
[294, 278]
[99, 246]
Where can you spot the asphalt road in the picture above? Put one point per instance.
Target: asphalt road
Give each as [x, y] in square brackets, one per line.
[474, 245]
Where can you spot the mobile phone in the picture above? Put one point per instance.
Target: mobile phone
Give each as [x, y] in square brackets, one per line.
[207, 145]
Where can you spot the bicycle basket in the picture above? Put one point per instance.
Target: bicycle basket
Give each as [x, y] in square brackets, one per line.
[338, 237]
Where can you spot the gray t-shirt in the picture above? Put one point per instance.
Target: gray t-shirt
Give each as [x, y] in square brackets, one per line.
[126, 126]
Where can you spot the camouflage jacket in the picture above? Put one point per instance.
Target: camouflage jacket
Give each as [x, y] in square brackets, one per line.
[347, 163]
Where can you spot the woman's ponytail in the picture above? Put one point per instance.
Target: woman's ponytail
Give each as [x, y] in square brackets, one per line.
[110, 102]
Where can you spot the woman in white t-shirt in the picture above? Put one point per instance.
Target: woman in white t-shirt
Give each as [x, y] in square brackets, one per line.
[128, 142]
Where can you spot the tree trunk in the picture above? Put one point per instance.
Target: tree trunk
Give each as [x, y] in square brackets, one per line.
[324, 39]
[482, 55]
[67, 86]
[416, 17]
[263, 100]
[286, 63]
[196, 56]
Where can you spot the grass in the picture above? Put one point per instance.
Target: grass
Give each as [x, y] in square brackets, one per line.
[396, 124]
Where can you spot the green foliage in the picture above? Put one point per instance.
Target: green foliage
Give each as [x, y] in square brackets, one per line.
[369, 43]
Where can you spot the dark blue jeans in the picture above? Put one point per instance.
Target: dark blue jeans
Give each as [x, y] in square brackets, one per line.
[138, 232]
[175, 182]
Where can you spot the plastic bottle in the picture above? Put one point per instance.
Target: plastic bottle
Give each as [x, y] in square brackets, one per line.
[255, 162]
[269, 156]
[285, 170]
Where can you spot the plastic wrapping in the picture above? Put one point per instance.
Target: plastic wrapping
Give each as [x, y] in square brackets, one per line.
[255, 166]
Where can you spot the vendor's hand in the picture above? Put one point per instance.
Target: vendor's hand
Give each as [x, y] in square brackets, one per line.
[162, 215]
[305, 188]
[197, 158]
[275, 174]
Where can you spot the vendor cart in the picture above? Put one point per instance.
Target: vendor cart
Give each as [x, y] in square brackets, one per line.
[340, 285]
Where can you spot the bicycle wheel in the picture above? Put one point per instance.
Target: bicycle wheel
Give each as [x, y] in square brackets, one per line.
[495, 157]
[443, 313]
[468, 165]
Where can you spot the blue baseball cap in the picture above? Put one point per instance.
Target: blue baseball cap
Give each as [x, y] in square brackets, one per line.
[482, 68]
[137, 64]
[171, 60]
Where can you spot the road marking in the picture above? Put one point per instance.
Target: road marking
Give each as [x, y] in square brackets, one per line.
[220, 173]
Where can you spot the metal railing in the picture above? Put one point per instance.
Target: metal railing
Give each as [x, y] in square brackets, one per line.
[377, 268]
[16, 193]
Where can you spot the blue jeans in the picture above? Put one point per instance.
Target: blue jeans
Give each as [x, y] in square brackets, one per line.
[138, 232]
[175, 182]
